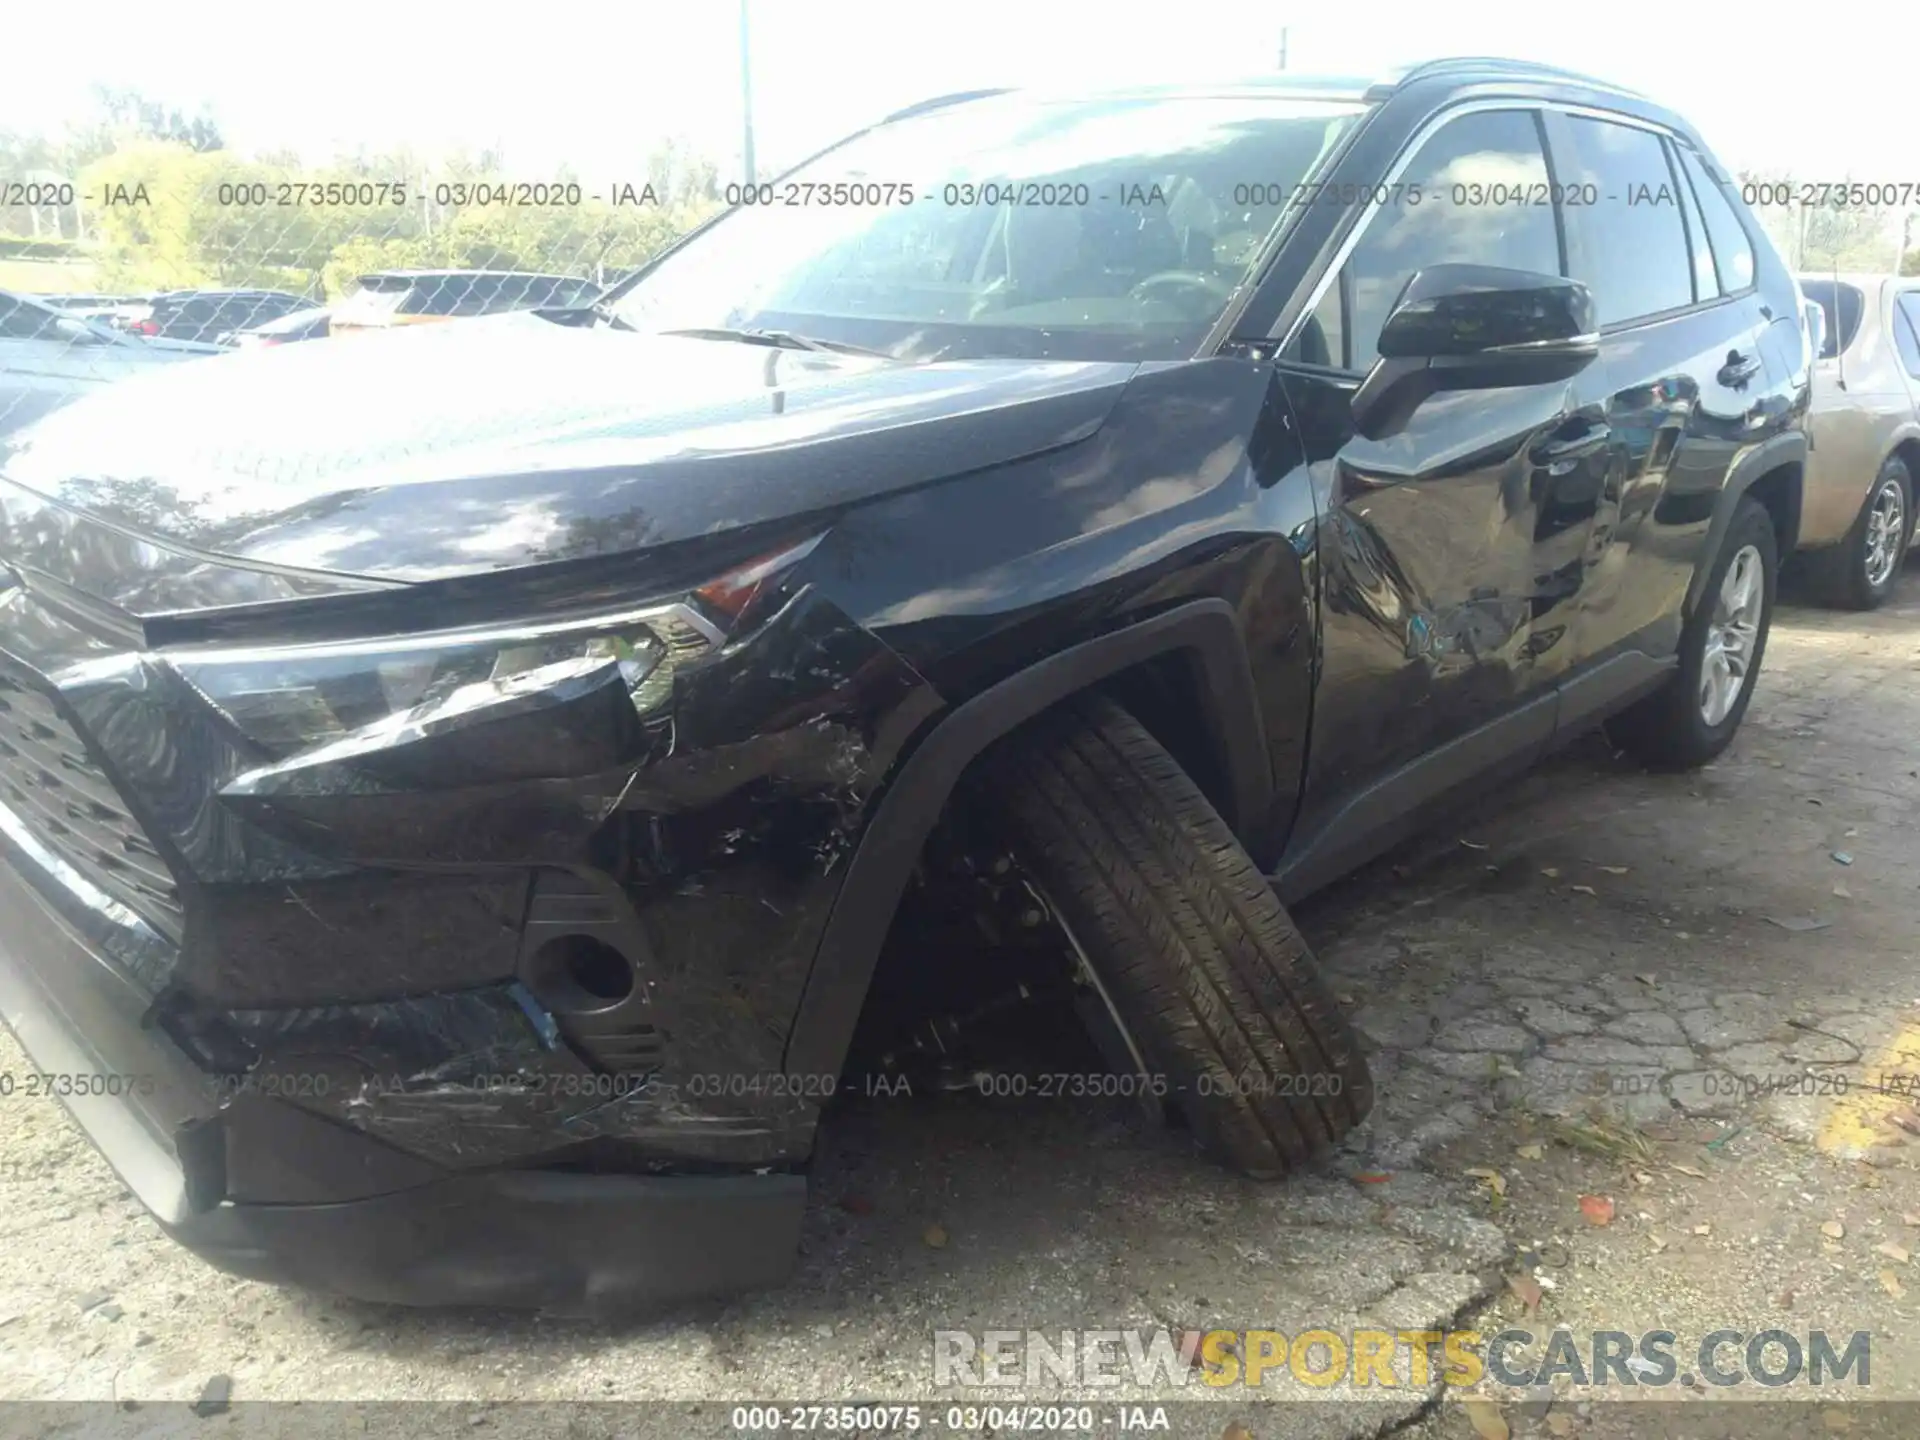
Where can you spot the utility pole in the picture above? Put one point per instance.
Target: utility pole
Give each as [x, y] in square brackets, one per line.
[746, 92]
[1283, 47]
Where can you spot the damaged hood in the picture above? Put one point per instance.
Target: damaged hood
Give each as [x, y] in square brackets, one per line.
[434, 451]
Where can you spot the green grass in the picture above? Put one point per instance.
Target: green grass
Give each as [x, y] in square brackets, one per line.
[47, 277]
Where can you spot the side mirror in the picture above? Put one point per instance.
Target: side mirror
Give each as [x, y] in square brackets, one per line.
[1474, 327]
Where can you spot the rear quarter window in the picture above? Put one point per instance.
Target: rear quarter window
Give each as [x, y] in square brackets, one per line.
[1732, 247]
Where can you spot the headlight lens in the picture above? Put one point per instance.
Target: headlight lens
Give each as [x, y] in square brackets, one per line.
[387, 690]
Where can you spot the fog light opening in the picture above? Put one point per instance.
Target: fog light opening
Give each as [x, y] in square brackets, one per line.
[575, 973]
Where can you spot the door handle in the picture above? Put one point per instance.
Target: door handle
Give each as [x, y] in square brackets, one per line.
[1558, 456]
[1739, 369]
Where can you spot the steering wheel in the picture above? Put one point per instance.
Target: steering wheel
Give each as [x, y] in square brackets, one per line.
[1214, 290]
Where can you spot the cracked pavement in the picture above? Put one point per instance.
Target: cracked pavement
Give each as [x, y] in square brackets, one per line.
[1597, 982]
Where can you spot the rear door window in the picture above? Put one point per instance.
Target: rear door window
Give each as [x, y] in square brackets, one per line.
[1636, 262]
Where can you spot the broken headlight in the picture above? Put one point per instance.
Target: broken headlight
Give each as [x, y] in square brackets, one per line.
[389, 690]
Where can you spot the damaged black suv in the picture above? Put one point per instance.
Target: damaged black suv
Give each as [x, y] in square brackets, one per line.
[455, 787]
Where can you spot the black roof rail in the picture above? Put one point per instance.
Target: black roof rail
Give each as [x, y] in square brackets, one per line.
[940, 102]
[1534, 69]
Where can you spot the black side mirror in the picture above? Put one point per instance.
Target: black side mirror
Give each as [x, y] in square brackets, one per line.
[1474, 327]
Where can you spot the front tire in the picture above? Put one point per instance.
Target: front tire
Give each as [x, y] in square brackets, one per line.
[1196, 958]
[1862, 570]
[1692, 717]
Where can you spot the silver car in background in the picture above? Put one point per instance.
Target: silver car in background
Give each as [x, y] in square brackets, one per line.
[1864, 431]
[49, 356]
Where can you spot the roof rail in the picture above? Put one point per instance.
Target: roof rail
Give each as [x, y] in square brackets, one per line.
[1454, 64]
[940, 102]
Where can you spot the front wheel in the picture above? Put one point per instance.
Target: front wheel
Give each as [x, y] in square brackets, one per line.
[1210, 985]
[1692, 718]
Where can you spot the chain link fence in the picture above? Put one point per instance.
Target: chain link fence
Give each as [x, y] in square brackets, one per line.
[159, 249]
[146, 241]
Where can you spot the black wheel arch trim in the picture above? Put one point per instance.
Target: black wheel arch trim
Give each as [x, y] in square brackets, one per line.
[1771, 454]
[1208, 630]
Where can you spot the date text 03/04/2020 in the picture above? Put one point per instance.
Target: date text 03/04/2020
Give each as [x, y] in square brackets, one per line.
[965, 1419]
[994, 1084]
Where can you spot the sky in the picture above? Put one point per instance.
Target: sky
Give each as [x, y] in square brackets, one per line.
[594, 86]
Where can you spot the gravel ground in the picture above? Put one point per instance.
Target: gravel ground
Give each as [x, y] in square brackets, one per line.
[1601, 984]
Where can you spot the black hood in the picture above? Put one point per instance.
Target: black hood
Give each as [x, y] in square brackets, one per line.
[442, 450]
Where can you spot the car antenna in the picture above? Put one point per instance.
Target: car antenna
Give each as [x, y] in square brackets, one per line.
[1839, 359]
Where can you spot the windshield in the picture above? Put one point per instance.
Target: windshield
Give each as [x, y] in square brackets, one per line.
[1110, 230]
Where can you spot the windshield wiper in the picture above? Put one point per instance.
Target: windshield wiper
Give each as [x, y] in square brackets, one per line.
[780, 339]
[598, 311]
[603, 311]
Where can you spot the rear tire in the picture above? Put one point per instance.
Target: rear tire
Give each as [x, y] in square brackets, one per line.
[1203, 970]
[1862, 570]
[1675, 728]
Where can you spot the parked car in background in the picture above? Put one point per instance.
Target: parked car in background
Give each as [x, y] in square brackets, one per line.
[92, 306]
[1857, 523]
[49, 357]
[298, 325]
[413, 297]
[470, 779]
[205, 315]
[76, 302]
[124, 314]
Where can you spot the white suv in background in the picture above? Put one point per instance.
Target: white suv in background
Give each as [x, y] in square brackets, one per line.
[1857, 514]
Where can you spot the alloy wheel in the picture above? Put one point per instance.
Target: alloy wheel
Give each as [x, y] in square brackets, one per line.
[1731, 635]
[1886, 528]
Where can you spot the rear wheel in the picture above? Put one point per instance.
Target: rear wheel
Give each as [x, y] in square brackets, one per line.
[1861, 571]
[1200, 965]
[1692, 718]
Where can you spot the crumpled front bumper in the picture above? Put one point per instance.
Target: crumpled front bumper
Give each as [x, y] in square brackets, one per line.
[565, 1242]
[502, 1019]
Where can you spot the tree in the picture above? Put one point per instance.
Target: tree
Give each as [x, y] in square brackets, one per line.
[129, 110]
[154, 245]
[1814, 226]
[160, 202]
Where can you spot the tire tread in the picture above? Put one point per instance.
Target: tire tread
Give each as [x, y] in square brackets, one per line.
[1190, 940]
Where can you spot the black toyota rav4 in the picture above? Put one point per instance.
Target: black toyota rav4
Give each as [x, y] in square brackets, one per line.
[456, 789]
